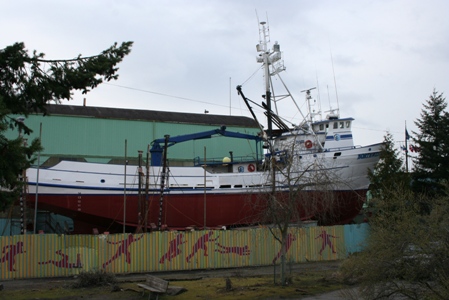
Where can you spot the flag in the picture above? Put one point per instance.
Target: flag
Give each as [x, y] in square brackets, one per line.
[407, 136]
[414, 148]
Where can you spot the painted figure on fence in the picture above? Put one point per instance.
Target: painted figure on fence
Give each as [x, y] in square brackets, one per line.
[237, 250]
[290, 239]
[326, 241]
[173, 249]
[122, 249]
[64, 262]
[9, 256]
[201, 243]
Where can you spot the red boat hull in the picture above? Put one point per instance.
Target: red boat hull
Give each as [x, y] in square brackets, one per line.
[105, 212]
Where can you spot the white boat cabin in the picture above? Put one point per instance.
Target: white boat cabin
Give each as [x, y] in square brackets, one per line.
[328, 135]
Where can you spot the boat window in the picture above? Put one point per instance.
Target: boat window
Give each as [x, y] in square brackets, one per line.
[335, 125]
[348, 124]
[342, 124]
[321, 127]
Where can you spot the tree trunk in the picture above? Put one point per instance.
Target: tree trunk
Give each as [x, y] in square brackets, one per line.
[283, 250]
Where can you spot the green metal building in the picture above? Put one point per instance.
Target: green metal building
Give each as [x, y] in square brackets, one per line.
[99, 134]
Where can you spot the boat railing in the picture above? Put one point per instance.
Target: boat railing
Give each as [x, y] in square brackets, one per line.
[339, 149]
[198, 161]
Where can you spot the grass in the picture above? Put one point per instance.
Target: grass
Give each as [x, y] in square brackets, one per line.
[260, 287]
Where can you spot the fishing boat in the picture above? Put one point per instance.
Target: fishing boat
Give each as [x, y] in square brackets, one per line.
[316, 157]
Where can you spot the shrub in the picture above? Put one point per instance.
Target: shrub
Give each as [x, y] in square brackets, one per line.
[95, 278]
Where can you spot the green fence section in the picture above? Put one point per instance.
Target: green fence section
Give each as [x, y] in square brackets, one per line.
[51, 255]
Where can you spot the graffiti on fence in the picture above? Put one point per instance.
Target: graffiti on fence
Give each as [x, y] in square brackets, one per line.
[9, 256]
[64, 262]
[326, 241]
[201, 244]
[62, 255]
[122, 249]
[173, 248]
[290, 239]
[237, 250]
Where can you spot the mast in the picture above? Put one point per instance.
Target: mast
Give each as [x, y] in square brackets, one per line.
[273, 65]
[163, 176]
[139, 199]
[309, 105]
[263, 48]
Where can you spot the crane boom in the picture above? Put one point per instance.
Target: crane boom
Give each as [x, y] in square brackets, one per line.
[157, 147]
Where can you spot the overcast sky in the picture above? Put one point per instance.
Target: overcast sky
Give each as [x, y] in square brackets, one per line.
[188, 56]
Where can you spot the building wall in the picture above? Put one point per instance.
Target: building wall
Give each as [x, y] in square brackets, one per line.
[103, 139]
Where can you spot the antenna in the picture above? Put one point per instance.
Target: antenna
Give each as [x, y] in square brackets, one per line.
[335, 81]
[259, 22]
[230, 96]
[268, 22]
[318, 91]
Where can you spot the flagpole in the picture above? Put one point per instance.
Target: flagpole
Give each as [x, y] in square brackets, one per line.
[406, 147]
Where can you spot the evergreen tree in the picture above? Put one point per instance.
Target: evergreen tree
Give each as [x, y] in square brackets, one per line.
[431, 167]
[27, 83]
[388, 172]
[406, 250]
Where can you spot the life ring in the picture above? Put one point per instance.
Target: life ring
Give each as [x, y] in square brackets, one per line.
[308, 144]
[251, 168]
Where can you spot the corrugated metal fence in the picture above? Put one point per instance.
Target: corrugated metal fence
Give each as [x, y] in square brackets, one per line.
[50, 255]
